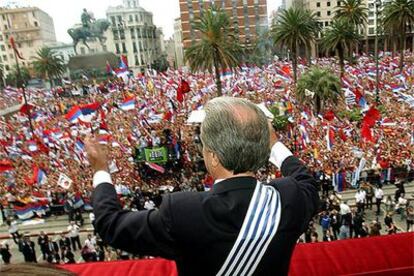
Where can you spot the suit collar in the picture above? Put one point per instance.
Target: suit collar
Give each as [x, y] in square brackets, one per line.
[234, 183]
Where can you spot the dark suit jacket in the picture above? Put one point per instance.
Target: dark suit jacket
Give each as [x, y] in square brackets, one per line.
[198, 230]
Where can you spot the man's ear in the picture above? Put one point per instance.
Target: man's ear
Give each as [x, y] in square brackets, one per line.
[215, 162]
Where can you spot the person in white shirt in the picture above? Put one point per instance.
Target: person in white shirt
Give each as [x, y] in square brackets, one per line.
[73, 234]
[379, 195]
[402, 206]
[92, 220]
[90, 243]
[149, 204]
[345, 209]
[360, 200]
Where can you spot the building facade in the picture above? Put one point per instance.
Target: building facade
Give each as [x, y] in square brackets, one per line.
[249, 17]
[133, 34]
[64, 50]
[178, 43]
[31, 29]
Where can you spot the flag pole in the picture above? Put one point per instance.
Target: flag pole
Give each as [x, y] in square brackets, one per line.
[21, 85]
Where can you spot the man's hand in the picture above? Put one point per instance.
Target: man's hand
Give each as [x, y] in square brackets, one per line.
[97, 155]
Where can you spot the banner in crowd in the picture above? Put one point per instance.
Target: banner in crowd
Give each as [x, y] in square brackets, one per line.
[156, 155]
[64, 181]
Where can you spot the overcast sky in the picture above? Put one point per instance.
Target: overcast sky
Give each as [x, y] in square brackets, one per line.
[66, 13]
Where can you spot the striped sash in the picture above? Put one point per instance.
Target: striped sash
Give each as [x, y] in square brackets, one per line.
[259, 227]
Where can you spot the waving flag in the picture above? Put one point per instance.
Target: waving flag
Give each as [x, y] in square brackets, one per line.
[109, 69]
[39, 176]
[88, 109]
[78, 202]
[6, 165]
[79, 146]
[330, 136]
[155, 167]
[14, 47]
[128, 104]
[363, 103]
[73, 114]
[104, 139]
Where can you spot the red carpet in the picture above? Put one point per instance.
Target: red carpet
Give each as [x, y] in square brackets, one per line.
[382, 256]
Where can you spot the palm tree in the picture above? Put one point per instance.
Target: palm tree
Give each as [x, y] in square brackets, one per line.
[399, 18]
[353, 11]
[336, 38]
[295, 27]
[218, 49]
[48, 65]
[12, 77]
[319, 85]
[261, 52]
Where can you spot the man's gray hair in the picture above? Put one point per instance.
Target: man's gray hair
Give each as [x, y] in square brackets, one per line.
[238, 132]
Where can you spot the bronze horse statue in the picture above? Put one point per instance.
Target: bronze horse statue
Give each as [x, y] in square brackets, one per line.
[96, 30]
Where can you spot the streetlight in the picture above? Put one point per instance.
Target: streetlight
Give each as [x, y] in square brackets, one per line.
[377, 98]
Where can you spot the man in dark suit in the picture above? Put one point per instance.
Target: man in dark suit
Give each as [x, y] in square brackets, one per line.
[28, 250]
[241, 226]
[42, 241]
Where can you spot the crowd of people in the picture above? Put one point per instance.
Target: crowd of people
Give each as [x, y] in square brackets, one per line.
[43, 166]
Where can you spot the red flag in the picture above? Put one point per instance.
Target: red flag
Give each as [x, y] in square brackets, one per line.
[374, 113]
[180, 95]
[366, 133]
[41, 146]
[286, 70]
[13, 45]
[6, 165]
[25, 108]
[329, 116]
[342, 135]
[185, 87]
[168, 116]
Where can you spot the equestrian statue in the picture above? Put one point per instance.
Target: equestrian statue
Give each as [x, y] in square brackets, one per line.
[90, 28]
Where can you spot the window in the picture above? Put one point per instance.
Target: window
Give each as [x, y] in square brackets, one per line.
[328, 13]
[113, 20]
[4, 57]
[116, 35]
[124, 50]
[117, 48]
[1, 38]
[7, 67]
[371, 22]
[34, 15]
[338, 3]
[122, 34]
[134, 47]
[4, 17]
[83, 52]
[120, 21]
[3, 48]
[136, 18]
[326, 23]
[371, 31]
[371, 5]
[318, 4]
[131, 18]
[5, 27]
[318, 14]
[36, 24]
[371, 14]
[133, 33]
[328, 4]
